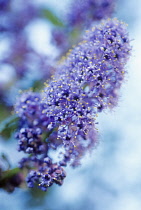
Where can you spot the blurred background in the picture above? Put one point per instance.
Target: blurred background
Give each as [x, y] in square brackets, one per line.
[110, 177]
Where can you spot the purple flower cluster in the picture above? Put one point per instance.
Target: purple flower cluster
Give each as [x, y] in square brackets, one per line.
[28, 106]
[47, 174]
[30, 141]
[97, 64]
[63, 117]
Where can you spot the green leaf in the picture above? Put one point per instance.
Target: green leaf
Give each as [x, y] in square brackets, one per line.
[4, 111]
[49, 15]
[75, 33]
[8, 125]
[9, 173]
[37, 193]
[37, 86]
[5, 159]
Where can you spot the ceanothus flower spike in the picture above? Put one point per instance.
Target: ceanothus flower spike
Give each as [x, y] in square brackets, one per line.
[97, 64]
[63, 117]
[87, 83]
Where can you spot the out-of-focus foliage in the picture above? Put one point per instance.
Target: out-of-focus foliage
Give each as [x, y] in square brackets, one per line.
[50, 16]
[8, 126]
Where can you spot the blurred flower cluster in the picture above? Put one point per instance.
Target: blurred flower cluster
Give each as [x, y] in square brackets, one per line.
[56, 125]
[79, 16]
[18, 58]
